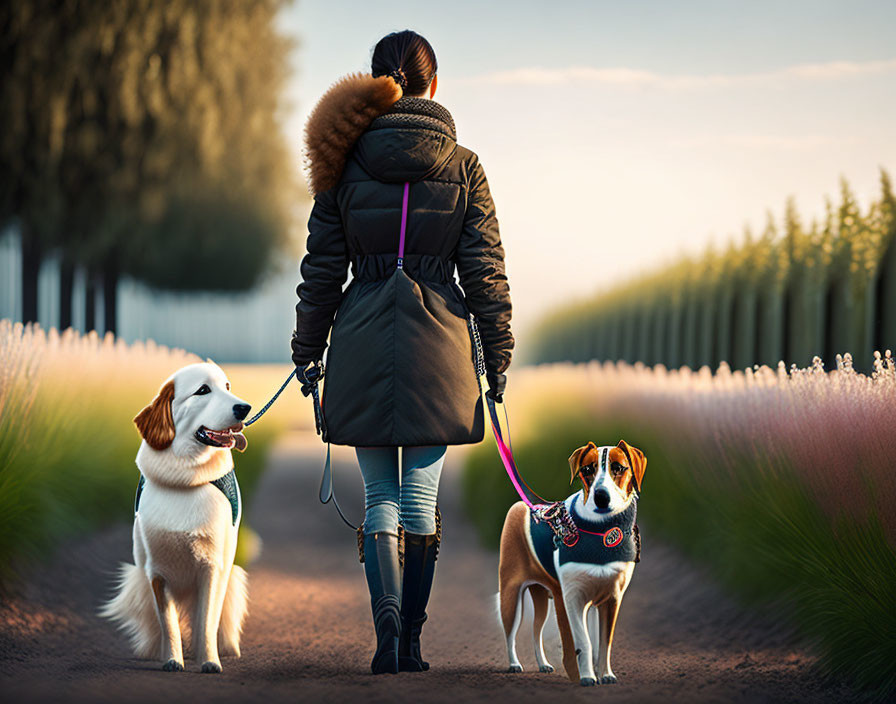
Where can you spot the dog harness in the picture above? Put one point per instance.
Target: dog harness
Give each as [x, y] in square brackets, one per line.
[227, 484]
[612, 540]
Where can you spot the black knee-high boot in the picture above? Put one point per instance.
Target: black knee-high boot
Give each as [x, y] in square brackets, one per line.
[419, 568]
[384, 582]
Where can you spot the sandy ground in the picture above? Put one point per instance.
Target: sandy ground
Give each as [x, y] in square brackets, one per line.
[309, 635]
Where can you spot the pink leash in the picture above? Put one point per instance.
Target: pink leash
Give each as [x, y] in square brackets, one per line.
[529, 497]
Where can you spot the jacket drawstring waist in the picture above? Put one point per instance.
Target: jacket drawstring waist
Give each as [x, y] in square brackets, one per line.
[420, 267]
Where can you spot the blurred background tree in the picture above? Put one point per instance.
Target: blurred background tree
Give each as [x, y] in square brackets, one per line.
[32, 116]
[143, 138]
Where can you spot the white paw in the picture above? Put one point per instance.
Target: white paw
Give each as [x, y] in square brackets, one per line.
[515, 668]
[587, 682]
[608, 679]
[547, 667]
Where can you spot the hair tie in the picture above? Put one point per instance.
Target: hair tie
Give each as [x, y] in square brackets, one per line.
[398, 76]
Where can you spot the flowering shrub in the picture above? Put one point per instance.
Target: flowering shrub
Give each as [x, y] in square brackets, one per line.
[782, 482]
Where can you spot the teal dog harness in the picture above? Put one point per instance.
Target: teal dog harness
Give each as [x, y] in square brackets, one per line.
[227, 484]
[614, 540]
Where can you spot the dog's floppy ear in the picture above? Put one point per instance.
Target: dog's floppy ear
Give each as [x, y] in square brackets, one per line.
[636, 460]
[575, 459]
[156, 422]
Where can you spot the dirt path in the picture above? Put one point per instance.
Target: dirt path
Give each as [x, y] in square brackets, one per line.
[309, 634]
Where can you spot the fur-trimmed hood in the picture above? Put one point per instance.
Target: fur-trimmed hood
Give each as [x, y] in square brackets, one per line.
[395, 138]
[338, 119]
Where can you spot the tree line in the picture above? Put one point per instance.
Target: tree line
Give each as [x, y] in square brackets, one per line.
[793, 293]
[143, 138]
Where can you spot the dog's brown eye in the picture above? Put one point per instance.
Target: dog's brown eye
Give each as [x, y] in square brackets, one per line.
[617, 468]
[202, 390]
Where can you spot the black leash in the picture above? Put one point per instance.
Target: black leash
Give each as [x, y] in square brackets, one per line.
[270, 403]
[326, 491]
[310, 379]
[313, 374]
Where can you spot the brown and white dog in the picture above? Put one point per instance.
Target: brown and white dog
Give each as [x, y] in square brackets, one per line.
[611, 477]
[186, 520]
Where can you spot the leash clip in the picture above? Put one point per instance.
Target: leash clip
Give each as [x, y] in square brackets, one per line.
[557, 517]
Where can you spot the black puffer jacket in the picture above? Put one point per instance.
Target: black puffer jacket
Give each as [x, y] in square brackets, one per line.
[400, 365]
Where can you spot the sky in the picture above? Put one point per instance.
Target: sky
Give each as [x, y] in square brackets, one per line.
[617, 137]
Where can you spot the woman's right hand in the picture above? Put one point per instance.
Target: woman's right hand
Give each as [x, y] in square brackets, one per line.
[496, 385]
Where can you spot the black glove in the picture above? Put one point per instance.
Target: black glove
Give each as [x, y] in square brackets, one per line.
[496, 385]
[310, 374]
[296, 359]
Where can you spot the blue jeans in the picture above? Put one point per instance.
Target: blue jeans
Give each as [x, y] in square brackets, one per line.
[411, 500]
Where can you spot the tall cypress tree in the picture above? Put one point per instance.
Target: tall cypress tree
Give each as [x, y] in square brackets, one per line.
[32, 121]
[142, 138]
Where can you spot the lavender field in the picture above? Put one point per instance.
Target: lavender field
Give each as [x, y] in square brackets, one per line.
[780, 481]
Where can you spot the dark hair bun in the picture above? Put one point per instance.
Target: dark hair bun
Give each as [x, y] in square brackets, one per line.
[407, 58]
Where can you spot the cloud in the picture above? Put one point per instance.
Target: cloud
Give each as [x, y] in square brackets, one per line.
[635, 78]
[807, 142]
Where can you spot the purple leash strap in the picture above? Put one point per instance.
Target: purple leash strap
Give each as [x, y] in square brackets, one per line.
[404, 225]
[326, 492]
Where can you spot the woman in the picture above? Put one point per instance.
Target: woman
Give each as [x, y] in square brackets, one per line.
[398, 200]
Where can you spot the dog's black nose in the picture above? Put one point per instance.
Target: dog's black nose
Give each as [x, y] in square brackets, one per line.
[241, 410]
[601, 498]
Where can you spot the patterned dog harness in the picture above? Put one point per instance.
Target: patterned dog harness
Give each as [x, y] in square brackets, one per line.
[227, 484]
[612, 540]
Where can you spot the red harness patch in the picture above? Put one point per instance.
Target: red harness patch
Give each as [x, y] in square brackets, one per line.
[613, 537]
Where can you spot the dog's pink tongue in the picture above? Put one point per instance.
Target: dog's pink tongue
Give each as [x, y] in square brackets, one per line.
[239, 442]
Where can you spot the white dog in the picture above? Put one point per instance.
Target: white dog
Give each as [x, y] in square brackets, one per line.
[186, 518]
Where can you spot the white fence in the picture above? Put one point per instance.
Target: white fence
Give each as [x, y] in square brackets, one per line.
[250, 327]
